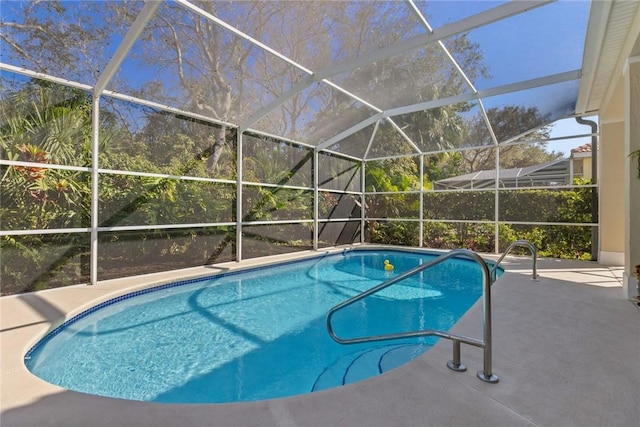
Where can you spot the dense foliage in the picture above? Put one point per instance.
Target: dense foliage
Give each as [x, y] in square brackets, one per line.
[51, 125]
[472, 211]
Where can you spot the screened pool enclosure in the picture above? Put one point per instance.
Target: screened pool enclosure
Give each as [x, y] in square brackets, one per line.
[147, 136]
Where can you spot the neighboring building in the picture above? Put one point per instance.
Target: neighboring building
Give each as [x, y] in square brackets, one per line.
[557, 172]
[580, 165]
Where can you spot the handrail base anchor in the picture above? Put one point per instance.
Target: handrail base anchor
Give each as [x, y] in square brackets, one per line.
[455, 364]
[459, 367]
[487, 378]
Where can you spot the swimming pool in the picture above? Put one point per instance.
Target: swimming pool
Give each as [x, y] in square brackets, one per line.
[255, 334]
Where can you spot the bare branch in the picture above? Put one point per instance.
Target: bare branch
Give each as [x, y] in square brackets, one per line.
[24, 27]
[21, 51]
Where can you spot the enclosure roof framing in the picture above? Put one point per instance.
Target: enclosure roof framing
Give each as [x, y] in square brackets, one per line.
[318, 73]
[134, 32]
[495, 14]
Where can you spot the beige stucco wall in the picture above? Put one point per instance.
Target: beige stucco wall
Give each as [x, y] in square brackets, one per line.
[632, 201]
[612, 179]
[586, 168]
[612, 192]
[615, 108]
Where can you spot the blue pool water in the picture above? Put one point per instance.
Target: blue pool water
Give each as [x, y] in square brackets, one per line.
[258, 334]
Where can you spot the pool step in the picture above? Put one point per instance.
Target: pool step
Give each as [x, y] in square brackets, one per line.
[367, 363]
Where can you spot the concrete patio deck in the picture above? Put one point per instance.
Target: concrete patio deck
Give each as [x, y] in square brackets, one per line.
[566, 349]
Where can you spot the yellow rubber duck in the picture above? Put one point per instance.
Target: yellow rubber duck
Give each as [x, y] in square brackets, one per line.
[387, 265]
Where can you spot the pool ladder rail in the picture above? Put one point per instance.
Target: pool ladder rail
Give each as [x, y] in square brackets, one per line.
[488, 277]
[518, 243]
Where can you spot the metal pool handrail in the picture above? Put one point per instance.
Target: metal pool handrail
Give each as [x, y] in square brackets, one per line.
[522, 243]
[454, 364]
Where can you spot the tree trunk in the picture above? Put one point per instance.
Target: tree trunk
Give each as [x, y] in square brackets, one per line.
[217, 148]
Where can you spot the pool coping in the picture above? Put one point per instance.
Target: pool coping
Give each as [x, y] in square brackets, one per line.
[26, 400]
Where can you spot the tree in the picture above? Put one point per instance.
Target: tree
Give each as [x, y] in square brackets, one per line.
[224, 77]
[44, 123]
[60, 38]
[193, 63]
[507, 123]
[443, 165]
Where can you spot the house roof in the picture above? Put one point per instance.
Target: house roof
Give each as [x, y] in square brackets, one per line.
[584, 148]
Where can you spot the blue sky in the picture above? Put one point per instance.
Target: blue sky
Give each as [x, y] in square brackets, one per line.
[568, 127]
